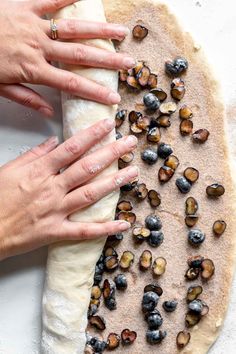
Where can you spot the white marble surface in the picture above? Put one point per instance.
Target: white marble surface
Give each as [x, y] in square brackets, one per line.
[212, 23]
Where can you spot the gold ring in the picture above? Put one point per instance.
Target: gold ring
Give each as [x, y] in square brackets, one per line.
[54, 29]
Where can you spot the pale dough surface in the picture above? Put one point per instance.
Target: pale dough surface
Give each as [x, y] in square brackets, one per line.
[70, 266]
[166, 40]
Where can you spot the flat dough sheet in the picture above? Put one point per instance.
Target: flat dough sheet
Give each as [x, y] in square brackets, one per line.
[166, 40]
[71, 265]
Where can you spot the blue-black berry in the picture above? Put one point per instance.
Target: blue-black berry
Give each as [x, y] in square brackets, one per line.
[150, 300]
[154, 337]
[121, 282]
[170, 306]
[196, 237]
[154, 319]
[151, 101]
[149, 156]
[164, 150]
[183, 185]
[153, 222]
[156, 238]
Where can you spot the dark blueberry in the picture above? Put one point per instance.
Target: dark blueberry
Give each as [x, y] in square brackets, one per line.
[88, 337]
[101, 259]
[196, 237]
[93, 309]
[195, 306]
[181, 63]
[183, 185]
[170, 306]
[154, 319]
[153, 124]
[99, 270]
[97, 278]
[98, 345]
[151, 101]
[150, 300]
[195, 261]
[149, 156]
[119, 236]
[118, 135]
[153, 222]
[164, 150]
[113, 240]
[154, 337]
[170, 68]
[176, 67]
[156, 238]
[128, 187]
[121, 282]
[111, 303]
[121, 114]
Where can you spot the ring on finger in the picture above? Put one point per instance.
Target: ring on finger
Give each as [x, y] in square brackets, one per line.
[54, 29]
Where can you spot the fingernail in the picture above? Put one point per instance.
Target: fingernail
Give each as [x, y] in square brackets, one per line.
[123, 30]
[124, 225]
[46, 111]
[52, 141]
[131, 141]
[129, 62]
[114, 98]
[109, 124]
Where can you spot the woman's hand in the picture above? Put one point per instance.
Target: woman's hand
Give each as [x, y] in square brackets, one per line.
[36, 199]
[26, 50]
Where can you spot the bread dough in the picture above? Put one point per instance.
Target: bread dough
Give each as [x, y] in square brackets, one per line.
[70, 266]
[165, 40]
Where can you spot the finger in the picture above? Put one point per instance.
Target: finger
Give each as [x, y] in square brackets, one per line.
[78, 86]
[36, 152]
[43, 7]
[90, 166]
[73, 53]
[83, 231]
[76, 29]
[91, 193]
[26, 97]
[76, 146]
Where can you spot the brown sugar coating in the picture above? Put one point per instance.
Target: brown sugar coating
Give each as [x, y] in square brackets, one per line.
[166, 40]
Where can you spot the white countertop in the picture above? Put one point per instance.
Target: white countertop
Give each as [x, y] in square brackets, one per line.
[212, 23]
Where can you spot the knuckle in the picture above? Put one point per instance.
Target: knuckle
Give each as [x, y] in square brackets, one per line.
[97, 131]
[117, 181]
[35, 171]
[72, 147]
[36, 151]
[79, 53]
[86, 166]
[102, 92]
[29, 72]
[114, 60]
[71, 26]
[83, 233]
[28, 100]
[35, 45]
[55, 3]
[116, 151]
[90, 196]
[104, 30]
[72, 84]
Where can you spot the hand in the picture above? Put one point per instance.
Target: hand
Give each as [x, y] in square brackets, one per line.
[36, 199]
[26, 51]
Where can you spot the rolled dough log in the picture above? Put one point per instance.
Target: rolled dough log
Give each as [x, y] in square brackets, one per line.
[70, 266]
